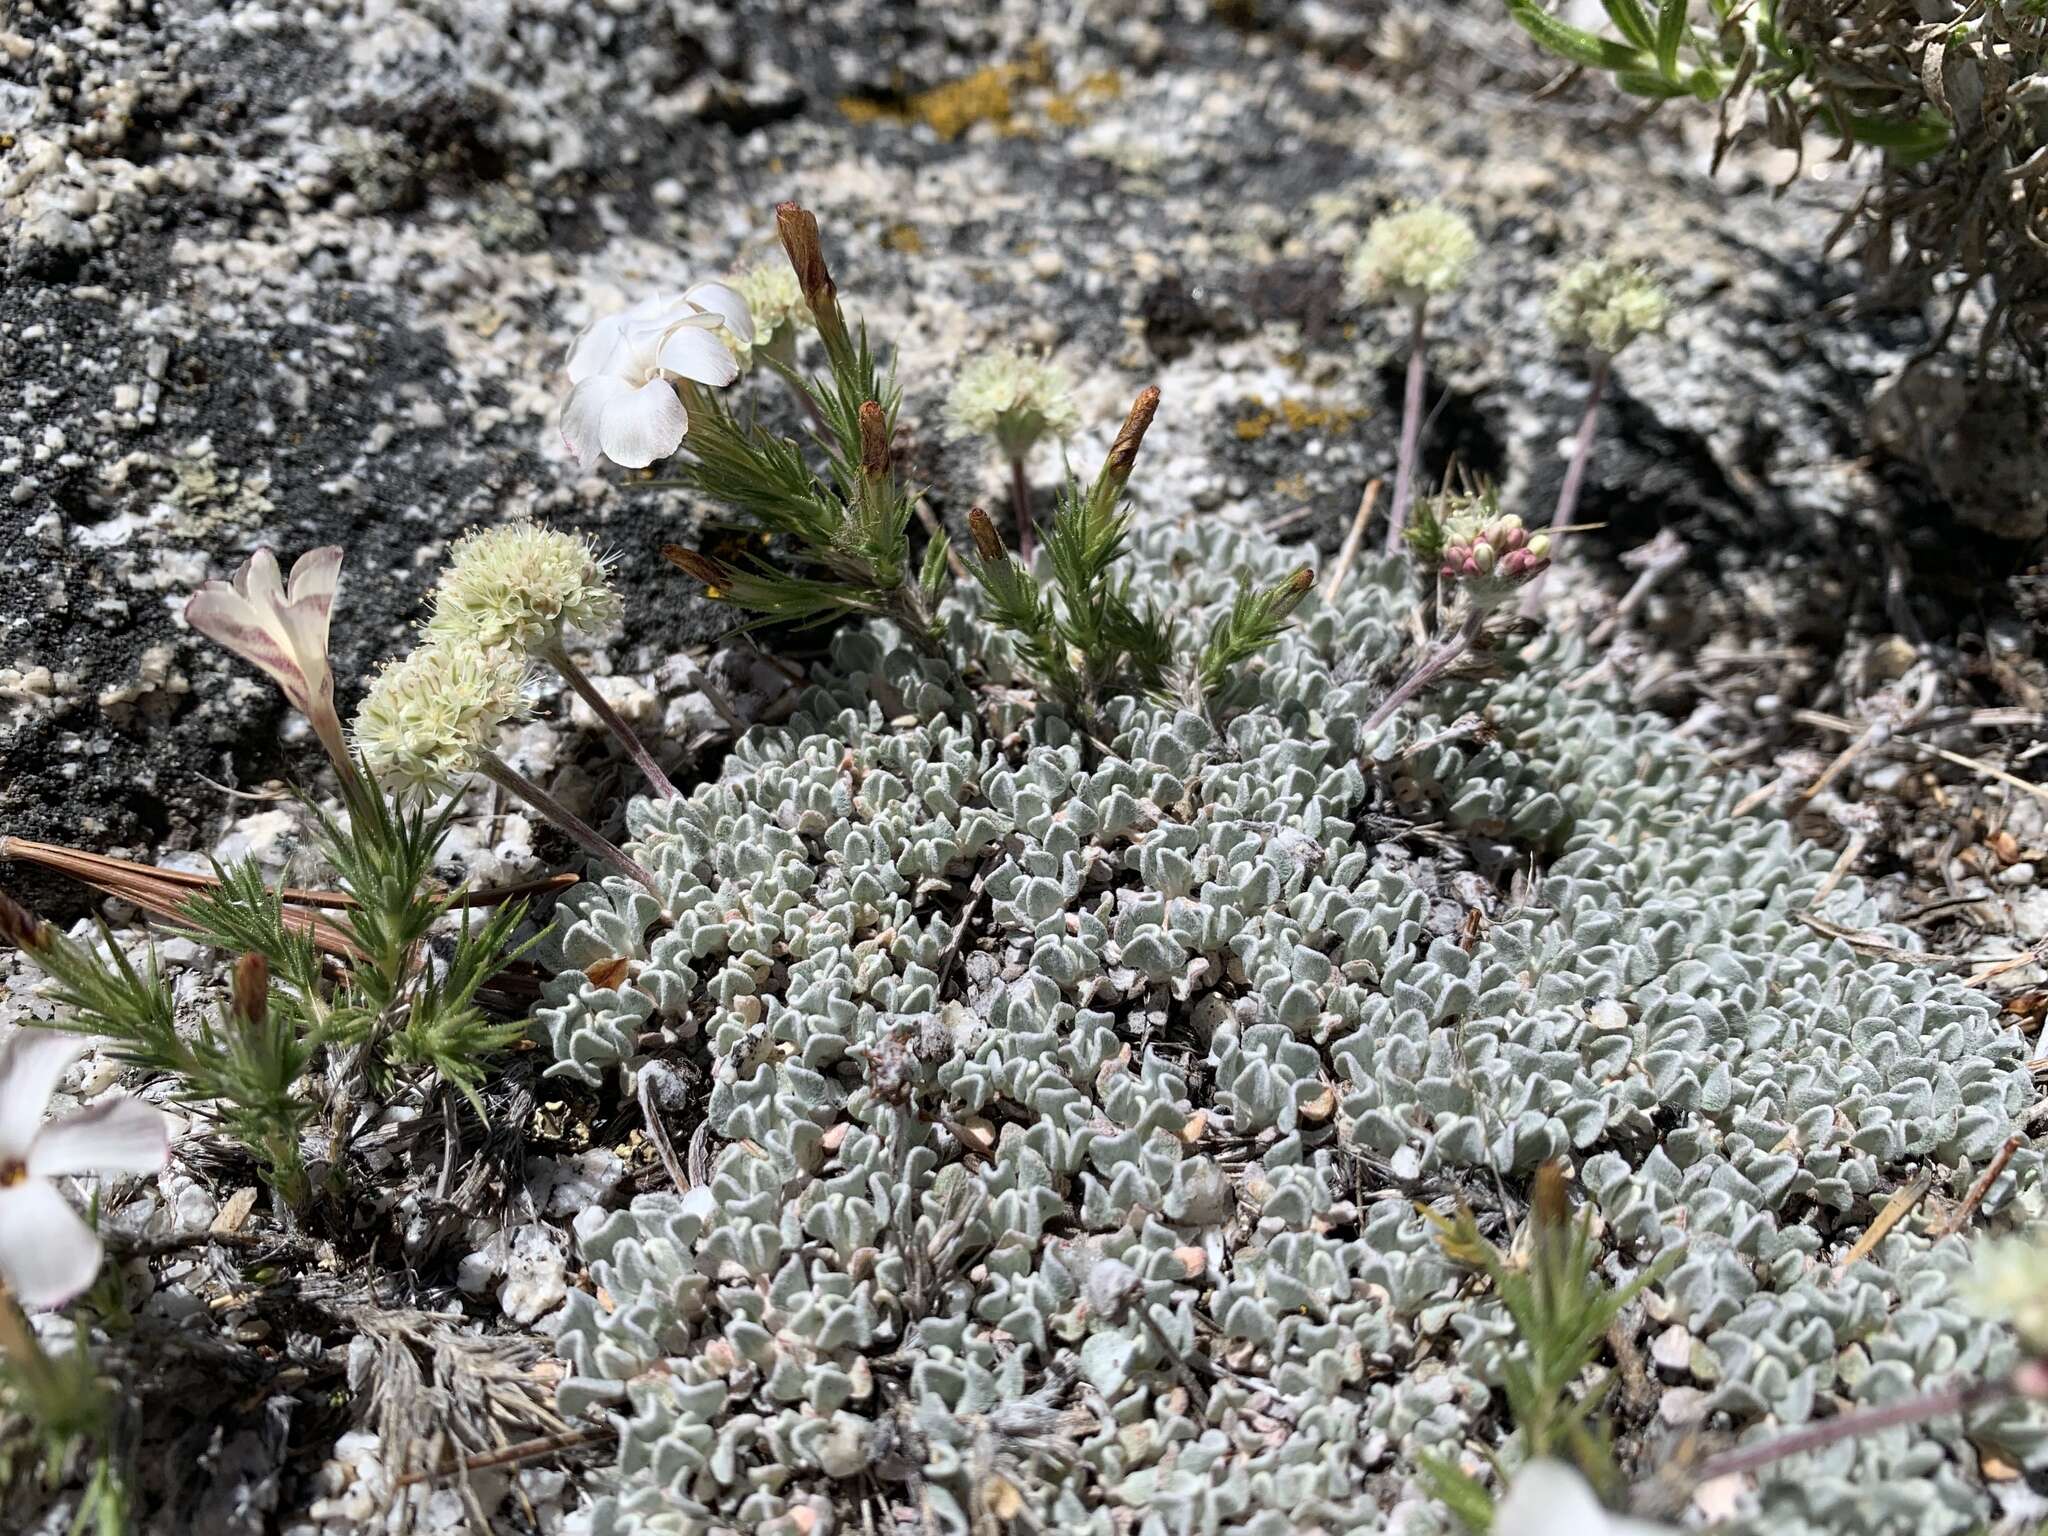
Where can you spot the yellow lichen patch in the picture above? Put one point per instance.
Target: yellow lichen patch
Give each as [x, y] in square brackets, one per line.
[1294, 415]
[1064, 109]
[949, 110]
[903, 239]
[993, 94]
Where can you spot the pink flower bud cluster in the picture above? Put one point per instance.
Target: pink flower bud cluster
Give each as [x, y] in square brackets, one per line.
[1502, 549]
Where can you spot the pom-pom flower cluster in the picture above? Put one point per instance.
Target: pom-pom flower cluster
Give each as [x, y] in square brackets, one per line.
[1605, 305]
[517, 586]
[775, 300]
[1016, 399]
[430, 718]
[1414, 254]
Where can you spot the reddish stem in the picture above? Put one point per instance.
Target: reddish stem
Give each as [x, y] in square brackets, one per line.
[587, 837]
[1574, 477]
[1429, 669]
[1411, 430]
[557, 655]
[1020, 500]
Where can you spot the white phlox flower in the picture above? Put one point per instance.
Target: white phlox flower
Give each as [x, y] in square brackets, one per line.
[1549, 1498]
[282, 628]
[623, 371]
[47, 1253]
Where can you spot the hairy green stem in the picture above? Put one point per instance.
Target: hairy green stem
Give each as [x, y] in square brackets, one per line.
[1411, 429]
[18, 1340]
[593, 842]
[816, 412]
[556, 654]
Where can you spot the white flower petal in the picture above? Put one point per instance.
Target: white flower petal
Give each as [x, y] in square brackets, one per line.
[47, 1255]
[583, 416]
[648, 424]
[253, 630]
[1549, 1498]
[32, 1063]
[727, 304]
[695, 353]
[259, 581]
[591, 352]
[657, 309]
[114, 1136]
[316, 577]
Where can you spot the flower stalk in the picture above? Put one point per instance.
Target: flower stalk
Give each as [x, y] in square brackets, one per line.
[2029, 1380]
[556, 654]
[586, 837]
[1020, 501]
[1574, 475]
[1411, 425]
[1441, 658]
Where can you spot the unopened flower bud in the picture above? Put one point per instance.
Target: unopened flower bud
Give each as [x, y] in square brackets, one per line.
[21, 927]
[1481, 559]
[1298, 585]
[874, 441]
[249, 989]
[1123, 453]
[701, 566]
[987, 542]
[797, 228]
[798, 231]
[1538, 548]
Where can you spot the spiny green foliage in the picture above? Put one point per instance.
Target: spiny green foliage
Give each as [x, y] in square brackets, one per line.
[1561, 1309]
[1081, 635]
[287, 1003]
[1258, 618]
[54, 1410]
[851, 523]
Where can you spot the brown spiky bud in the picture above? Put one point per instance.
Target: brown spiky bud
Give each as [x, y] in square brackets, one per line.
[1123, 453]
[701, 566]
[249, 989]
[987, 542]
[874, 441]
[21, 927]
[1291, 591]
[797, 228]
[1547, 1199]
[799, 233]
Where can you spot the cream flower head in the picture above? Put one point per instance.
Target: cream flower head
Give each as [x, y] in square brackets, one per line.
[2010, 1283]
[1015, 399]
[1413, 254]
[623, 370]
[517, 585]
[775, 301]
[1605, 305]
[432, 717]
